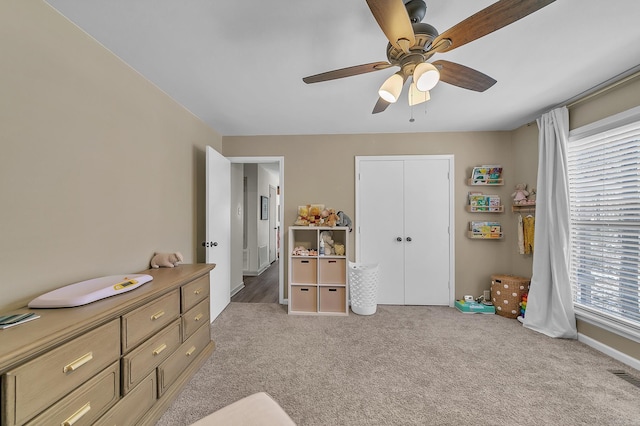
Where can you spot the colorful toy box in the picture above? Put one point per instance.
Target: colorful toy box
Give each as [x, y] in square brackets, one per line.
[474, 307]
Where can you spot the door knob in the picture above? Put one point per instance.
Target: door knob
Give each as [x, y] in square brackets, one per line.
[408, 238]
[399, 239]
[209, 244]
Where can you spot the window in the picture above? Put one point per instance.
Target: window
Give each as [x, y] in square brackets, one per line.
[604, 188]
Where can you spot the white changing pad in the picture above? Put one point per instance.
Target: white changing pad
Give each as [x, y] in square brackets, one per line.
[89, 291]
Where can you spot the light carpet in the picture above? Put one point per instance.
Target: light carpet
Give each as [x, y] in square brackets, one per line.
[405, 365]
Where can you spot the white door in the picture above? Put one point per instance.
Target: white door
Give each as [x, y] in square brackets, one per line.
[218, 229]
[403, 221]
[273, 228]
[379, 225]
[426, 218]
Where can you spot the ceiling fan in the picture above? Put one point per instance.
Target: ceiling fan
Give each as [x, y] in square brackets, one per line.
[412, 43]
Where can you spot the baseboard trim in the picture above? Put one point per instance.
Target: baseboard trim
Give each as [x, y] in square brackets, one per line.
[608, 350]
[237, 289]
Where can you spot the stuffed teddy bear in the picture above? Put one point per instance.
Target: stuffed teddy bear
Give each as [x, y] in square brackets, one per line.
[327, 238]
[520, 194]
[339, 249]
[168, 260]
[329, 217]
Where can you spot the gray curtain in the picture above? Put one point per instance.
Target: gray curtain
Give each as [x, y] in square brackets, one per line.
[550, 303]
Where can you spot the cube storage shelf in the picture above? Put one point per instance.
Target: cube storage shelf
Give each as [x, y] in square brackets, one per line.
[317, 283]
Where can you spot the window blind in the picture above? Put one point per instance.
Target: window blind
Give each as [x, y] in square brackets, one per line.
[604, 188]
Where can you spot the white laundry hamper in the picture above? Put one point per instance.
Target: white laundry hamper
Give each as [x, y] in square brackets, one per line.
[363, 288]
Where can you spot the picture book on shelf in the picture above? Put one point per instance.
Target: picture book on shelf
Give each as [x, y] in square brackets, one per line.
[480, 202]
[486, 174]
[486, 229]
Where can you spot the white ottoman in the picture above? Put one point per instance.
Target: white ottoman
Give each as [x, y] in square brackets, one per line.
[258, 409]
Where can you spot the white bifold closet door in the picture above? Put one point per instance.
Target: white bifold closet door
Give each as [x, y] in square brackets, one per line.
[404, 224]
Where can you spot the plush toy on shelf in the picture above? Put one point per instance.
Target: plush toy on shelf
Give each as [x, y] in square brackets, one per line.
[329, 217]
[300, 251]
[531, 199]
[520, 194]
[327, 238]
[167, 260]
[344, 220]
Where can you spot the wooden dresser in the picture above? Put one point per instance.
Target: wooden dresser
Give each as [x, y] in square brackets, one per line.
[117, 361]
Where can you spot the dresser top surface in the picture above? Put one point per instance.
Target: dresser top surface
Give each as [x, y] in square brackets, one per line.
[58, 325]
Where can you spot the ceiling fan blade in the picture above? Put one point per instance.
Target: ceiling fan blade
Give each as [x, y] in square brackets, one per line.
[488, 20]
[380, 106]
[464, 77]
[393, 19]
[346, 72]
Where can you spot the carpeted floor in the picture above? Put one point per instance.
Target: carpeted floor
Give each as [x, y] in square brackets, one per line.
[406, 365]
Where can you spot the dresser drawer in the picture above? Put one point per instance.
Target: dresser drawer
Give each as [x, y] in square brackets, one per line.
[33, 386]
[169, 370]
[86, 404]
[147, 320]
[193, 319]
[145, 358]
[131, 407]
[194, 292]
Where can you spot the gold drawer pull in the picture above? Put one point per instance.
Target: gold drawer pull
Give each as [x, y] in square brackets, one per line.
[78, 362]
[191, 351]
[159, 349]
[196, 292]
[157, 315]
[198, 317]
[77, 415]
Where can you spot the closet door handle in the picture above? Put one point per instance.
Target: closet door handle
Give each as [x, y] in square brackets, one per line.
[409, 239]
[399, 239]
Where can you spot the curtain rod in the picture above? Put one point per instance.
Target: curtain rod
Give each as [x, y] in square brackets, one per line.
[602, 88]
[599, 89]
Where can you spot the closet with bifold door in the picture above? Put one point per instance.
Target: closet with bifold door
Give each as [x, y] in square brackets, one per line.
[404, 224]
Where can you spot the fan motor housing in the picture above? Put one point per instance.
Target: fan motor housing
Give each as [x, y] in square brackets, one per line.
[424, 33]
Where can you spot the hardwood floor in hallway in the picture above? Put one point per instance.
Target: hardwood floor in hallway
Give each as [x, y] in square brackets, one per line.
[261, 289]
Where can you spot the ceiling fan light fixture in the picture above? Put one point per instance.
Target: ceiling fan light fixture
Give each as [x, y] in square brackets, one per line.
[426, 76]
[391, 88]
[416, 96]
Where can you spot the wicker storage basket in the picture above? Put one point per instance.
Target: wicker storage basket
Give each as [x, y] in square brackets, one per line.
[507, 292]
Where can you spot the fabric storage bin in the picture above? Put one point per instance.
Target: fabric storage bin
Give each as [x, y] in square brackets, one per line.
[507, 292]
[332, 299]
[303, 271]
[332, 271]
[303, 298]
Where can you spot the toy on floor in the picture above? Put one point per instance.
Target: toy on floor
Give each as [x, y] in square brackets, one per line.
[167, 260]
[523, 306]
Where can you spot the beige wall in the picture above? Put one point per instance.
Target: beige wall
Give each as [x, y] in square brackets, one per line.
[98, 167]
[321, 169]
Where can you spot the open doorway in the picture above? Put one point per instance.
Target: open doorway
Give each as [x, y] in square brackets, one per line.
[256, 232]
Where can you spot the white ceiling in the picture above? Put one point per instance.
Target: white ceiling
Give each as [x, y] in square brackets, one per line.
[238, 65]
